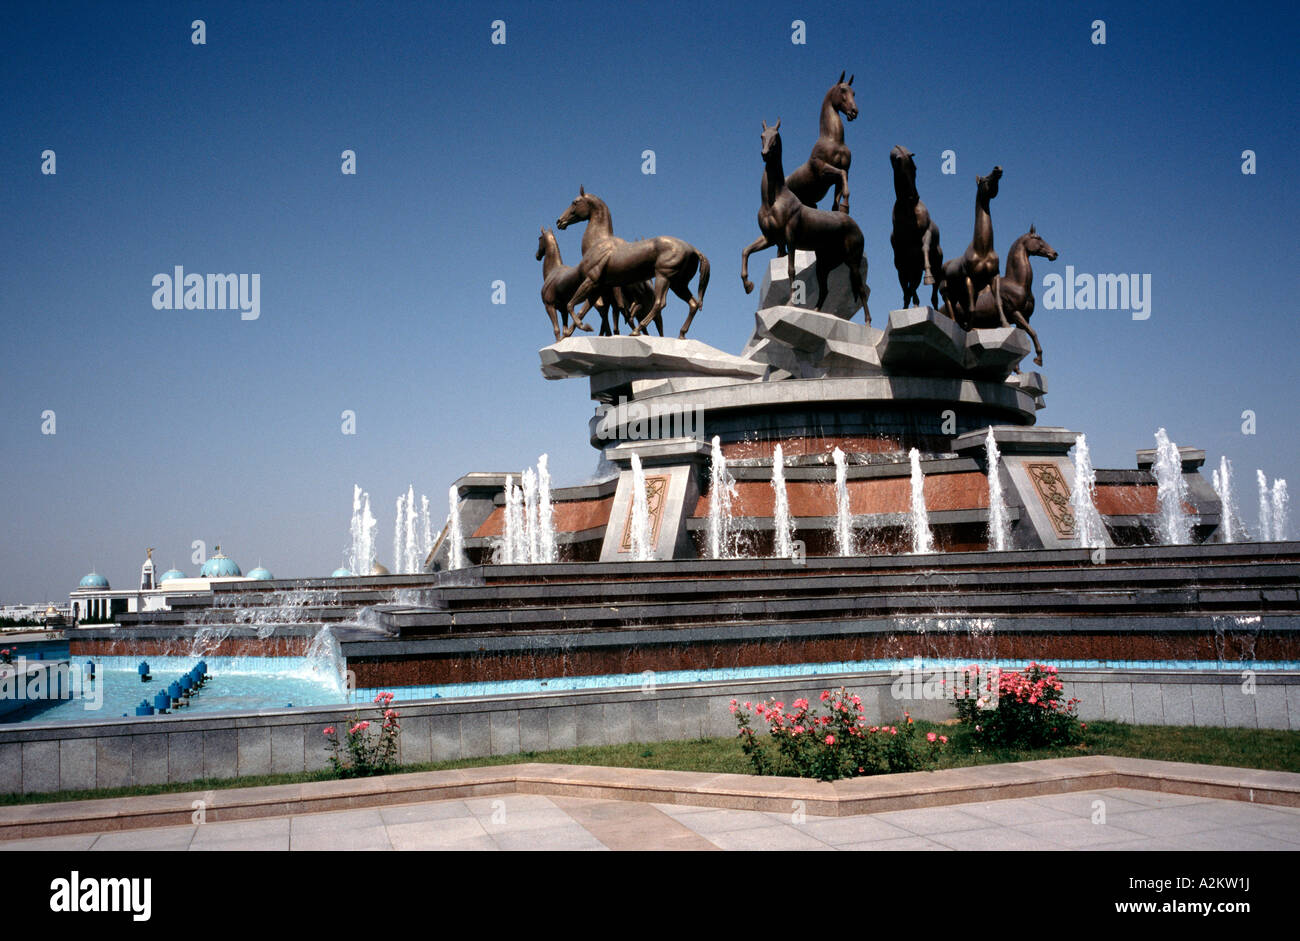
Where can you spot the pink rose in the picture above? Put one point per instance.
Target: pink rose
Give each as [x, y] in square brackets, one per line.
[930, 737]
[830, 740]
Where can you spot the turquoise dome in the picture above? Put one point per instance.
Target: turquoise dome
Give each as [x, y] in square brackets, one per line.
[340, 573]
[170, 574]
[94, 580]
[261, 574]
[220, 567]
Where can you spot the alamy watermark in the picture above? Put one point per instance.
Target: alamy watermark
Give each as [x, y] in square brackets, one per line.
[48, 680]
[181, 291]
[636, 421]
[1098, 292]
[916, 682]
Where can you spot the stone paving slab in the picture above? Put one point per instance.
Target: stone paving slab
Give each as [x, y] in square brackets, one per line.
[526, 790]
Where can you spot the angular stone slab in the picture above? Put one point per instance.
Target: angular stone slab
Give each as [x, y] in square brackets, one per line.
[808, 330]
[774, 290]
[642, 358]
[922, 341]
[995, 351]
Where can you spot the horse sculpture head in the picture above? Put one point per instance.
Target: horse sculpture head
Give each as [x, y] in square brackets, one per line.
[541, 243]
[987, 186]
[842, 97]
[771, 139]
[1036, 245]
[579, 210]
[901, 159]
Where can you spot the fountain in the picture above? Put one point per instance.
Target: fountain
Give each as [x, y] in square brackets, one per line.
[1230, 526]
[783, 544]
[919, 519]
[545, 514]
[455, 535]
[1265, 508]
[1089, 529]
[642, 550]
[843, 518]
[1279, 510]
[362, 556]
[530, 516]
[999, 523]
[1175, 529]
[722, 488]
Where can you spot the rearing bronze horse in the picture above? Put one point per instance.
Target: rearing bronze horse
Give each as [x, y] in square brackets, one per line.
[915, 237]
[828, 165]
[785, 222]
[610, 262]
[1017, 288]
[965, 277]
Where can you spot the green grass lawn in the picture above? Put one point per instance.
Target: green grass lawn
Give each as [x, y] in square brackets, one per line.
[1264, 749]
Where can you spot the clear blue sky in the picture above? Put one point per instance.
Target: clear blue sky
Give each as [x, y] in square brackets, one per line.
[376, 288]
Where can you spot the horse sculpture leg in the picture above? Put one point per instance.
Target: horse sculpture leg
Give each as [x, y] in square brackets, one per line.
[585, 288]
[997, 296]
[661, 298]
[925, 257]
[757, 245]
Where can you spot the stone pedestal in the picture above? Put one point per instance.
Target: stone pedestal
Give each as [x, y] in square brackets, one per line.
[1037, 477]
[672, 468]
[775, 288]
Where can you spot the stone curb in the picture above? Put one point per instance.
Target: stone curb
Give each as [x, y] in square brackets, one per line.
[732, 791]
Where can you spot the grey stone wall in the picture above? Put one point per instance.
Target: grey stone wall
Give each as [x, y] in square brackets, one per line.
[110, 753]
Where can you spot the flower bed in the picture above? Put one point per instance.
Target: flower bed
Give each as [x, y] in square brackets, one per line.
[1018, 708]
[808, 743]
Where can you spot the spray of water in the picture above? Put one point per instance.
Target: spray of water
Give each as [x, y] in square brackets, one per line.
[1175, 528]
[722, 488]
[782, 521]
[1089, 530]
[843, 516]
[545, 514]
[642, 550]
[361, 558]
[1229, 524]
[919, 519]
[455, 535]
[1265, 508]
[1279, 510]
[999, 521]
[530, 546]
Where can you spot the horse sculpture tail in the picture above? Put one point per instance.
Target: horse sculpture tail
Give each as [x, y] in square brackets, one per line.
[704, 278]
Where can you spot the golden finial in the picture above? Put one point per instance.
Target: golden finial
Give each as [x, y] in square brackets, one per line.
[150, 551]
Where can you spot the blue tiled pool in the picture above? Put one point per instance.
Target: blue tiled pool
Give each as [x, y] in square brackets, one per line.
[668, 677]
[242, 684]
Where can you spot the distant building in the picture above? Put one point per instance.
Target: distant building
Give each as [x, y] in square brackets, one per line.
[95, 600]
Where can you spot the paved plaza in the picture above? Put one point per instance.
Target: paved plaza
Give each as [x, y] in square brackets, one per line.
[1107, 819]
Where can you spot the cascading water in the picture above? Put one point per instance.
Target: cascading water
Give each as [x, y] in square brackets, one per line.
[1279, 510]
[1089, 530]
[1265, 508]
[455, 535]
[722, 488]
[545, 514]
[642, 551]
[919, 519]
[843, 517]
[781, 519]
[1175, 528]
[999, 522]
[516, 546]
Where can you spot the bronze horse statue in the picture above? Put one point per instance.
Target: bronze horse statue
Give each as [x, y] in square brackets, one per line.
[610, 262]
[965, 277]
[1017, 288]
[915, 238]
[828, 165]
[559, 281]
[788, 224]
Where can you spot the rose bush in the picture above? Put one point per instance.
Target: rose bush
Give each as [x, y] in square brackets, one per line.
[1018, 708]
[837, 743]
[361, 753]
